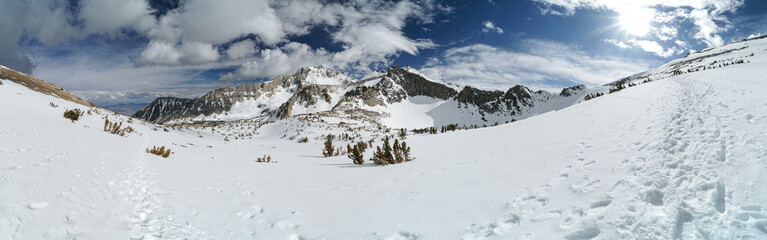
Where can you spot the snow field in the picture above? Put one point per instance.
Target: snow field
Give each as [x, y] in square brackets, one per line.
[677, 158]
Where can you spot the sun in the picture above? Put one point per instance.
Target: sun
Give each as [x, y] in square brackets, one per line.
[636, 21]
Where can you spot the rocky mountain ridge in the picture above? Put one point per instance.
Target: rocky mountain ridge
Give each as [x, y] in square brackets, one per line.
[318, 89]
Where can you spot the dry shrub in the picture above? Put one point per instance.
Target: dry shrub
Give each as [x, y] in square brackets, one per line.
[161, 151]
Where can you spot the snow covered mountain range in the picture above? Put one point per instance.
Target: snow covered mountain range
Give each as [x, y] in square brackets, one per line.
[401, 98]
[676, 152]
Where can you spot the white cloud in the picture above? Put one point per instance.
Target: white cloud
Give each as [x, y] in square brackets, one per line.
[702, 13]
[545, 65]
[110, 16]
[244, 48]
[164, 53]
[370, 35]
[653, 47]
[488, 26]
[279, 61]
[369, 30]
[220, 21]
[616, 42]
[708, 28]
[159, 53]
[196, 52]
[665, 33]
[649, 46]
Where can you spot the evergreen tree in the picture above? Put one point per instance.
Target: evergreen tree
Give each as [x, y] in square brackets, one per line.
[355, 155]
[406, 152]
[329, 149]
[379, 157]
[397, 152]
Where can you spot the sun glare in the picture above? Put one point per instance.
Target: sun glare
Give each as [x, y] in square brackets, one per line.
[636, 21]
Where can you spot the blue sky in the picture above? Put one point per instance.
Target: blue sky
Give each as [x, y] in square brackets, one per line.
[132, 51]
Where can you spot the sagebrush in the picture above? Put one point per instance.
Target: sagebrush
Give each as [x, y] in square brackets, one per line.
[161, 151]
[73, 114]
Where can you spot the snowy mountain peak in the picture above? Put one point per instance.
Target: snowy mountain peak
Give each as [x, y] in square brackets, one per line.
[319, 75]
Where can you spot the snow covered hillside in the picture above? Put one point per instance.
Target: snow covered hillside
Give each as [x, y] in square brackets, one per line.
[682, 156]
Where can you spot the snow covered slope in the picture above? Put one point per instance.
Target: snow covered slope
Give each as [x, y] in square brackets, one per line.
[680, 157]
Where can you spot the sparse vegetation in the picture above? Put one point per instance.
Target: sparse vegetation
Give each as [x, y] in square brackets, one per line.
[73, 114]
[386, 154]
[161, 151]
[116, 128]
[449, 127]
[356, 153]
[592, 96]
[617, 88]
[53, 105]
[329, 149]
[265, 159]
[430, 130]
[303, 140]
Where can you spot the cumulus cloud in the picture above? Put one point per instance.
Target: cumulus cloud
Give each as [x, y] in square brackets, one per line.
[279, 61]
[368, 30]
[544, 65]
[616, 42]
[165, 53]
[370, 35]
[488, 26]
[708, 28]
[704, 14]
[654, 47]
[220, 21]
[244, 48]
[650, 46]
[109, 17]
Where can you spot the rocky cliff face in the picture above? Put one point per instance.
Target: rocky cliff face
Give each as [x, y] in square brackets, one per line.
[318, 89]
[416, 84]
[164, 108]
[307, 86]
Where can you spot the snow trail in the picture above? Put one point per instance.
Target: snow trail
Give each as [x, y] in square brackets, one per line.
[151, 218]
[677, 179]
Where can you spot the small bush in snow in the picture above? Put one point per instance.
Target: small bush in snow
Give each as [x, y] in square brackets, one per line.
[617, 88]
[73, 114]
[356, 153]
[386, 154]
[592, 96]
[401, 152]
[329, 149]
[303, 140]
[116, 128]
[431, 130]
[265, 159]
[161, 151]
